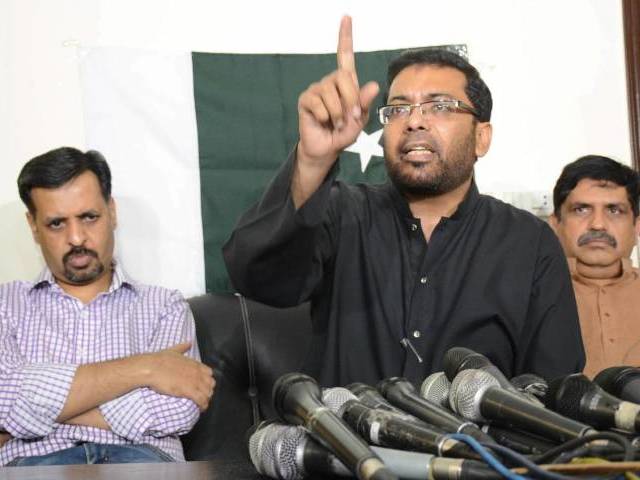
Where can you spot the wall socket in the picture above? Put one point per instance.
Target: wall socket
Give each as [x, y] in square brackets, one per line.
[540, 203]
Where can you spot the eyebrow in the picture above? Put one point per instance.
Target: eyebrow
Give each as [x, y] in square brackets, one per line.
[608, 204]
[428, 96]
[92, 212]
[48, 220]
[86, 213]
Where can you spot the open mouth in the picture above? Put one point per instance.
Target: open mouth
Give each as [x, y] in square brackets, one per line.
[418, 152]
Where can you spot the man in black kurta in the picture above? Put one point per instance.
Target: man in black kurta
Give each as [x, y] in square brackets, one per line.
[399, 273]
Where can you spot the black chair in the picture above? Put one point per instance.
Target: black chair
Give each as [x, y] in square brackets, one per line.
[249, 345]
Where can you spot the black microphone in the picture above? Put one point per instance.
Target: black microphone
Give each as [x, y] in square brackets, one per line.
[287, 452]
[531, 384]
[457, 359]
[518, 440]
[577, 397]
[477, 395]
[388, 429]
[622, 382]
[401, 393]
[435, 388]
[371, 397]
[296, 399]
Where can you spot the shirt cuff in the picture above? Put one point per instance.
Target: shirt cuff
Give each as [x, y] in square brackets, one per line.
[144, 412]
[42, 393]
[127, 415]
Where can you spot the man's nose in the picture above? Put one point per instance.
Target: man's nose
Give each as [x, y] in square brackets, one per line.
[598, 220]
[76, 233]
[418, 120]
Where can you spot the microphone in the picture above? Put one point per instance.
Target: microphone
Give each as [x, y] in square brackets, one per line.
[531, 384]
[457, 359]
[577, 397]
[435, 388]
[518, 440]
[388, 429]
[287, 452]
[622, 382]
[477, 395]
[296, 399]
[372, 398]
[400, 392]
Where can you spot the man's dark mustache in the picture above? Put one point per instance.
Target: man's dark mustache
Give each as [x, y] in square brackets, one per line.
[593, 235]
[78, 251]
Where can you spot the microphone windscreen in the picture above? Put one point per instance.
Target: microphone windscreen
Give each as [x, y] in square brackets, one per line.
[435, 388]
[466, 392]
[334, 398]
[453, 358]
[273, 451]
[566, 393]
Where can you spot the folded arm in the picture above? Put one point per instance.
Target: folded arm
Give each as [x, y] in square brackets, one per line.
[37, 397]
[180, 389]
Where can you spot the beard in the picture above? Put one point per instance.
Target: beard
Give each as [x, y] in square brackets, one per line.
[440, 175]
[82, 276]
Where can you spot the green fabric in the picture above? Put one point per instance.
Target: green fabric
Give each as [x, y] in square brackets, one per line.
[246, 111]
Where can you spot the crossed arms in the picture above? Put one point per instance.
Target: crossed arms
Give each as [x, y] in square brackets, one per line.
[158, 393]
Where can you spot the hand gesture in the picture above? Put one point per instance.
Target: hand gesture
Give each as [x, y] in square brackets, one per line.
[333, 111]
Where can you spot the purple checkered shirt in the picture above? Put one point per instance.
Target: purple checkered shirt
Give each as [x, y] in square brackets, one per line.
[46, 334]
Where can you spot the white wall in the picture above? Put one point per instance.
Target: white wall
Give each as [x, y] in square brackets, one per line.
[556, 70]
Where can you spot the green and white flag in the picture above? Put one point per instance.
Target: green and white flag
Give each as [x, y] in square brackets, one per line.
[193, 139]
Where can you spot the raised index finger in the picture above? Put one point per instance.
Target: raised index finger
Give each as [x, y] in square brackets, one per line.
[346, 59]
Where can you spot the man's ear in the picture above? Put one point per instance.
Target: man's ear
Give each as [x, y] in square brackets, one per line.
[553, 222]
[484, 132]
[113, 213]
[31, 220]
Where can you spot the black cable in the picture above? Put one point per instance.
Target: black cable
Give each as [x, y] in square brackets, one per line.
[550, 455]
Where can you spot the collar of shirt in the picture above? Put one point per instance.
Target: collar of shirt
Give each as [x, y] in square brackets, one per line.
[466, 206]
[118, 280]
[628, 273]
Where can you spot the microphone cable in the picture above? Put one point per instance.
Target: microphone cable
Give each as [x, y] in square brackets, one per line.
[482, 449]
[556, 453]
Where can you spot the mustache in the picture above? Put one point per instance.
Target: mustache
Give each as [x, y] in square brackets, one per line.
[593, 235]
[79, 251]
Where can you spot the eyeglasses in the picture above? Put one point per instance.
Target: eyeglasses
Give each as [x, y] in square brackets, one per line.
[435, 109]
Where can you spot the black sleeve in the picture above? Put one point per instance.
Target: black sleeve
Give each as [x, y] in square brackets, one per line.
[552, 333]
[277, 255]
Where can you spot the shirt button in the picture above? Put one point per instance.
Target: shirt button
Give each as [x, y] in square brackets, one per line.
[423, 280]
[414, 227]
[416, 334]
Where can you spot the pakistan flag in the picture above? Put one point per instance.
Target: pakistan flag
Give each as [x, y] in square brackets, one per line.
[193, 139]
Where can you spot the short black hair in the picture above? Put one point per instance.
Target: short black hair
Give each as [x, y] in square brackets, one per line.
[476, 89]
[596, 167]
[57, 167]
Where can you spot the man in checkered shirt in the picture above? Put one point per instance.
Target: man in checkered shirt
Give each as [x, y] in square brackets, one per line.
[94, 367]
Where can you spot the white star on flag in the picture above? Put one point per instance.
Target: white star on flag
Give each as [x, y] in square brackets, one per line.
[367, 146]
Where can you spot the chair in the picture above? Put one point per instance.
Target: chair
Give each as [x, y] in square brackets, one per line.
[249, 345]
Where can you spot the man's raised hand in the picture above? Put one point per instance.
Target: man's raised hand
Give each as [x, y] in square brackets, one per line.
[333, 111]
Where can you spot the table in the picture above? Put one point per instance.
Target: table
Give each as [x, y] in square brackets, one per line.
[207, 470]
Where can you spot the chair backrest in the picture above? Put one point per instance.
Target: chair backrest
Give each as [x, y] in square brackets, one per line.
[249, 345]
